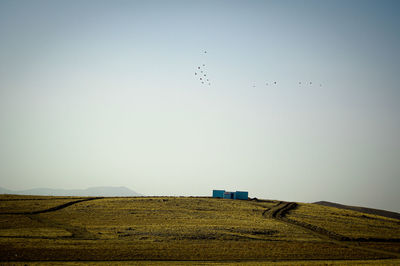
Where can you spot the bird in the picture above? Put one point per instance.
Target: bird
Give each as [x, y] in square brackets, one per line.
[195, 73]
[274, 82]
[205, 52]
[198, 67]
[204, 65]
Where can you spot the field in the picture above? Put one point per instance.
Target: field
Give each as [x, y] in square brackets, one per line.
[348, 224]
[190, 230]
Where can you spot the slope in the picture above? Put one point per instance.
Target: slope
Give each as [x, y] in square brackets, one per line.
[383, 213]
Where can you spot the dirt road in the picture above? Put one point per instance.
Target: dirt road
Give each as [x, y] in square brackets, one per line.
[280, 210]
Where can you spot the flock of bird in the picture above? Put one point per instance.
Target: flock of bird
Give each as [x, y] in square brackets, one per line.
[309, 83]
[202, 76]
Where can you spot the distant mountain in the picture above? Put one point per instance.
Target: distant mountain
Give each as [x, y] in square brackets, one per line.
[5, 191]
[384, 213]
[93, 191]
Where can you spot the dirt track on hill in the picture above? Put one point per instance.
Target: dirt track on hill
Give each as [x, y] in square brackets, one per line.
[280, 210]
[77, 232]
[52, 209]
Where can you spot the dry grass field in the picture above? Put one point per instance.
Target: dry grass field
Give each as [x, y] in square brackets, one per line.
[386, 262]
[196, 230]
[17, 203]
[348, 223]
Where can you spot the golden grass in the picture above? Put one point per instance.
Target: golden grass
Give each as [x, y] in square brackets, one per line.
[228, 263]
[34, 232]
[17, 222]
[35, 197]
[346, 222]
[389, 246]
[216, 250]
[176, 229]
[29, 204]
[165, 219]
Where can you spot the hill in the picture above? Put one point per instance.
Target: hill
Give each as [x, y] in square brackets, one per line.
[383, 213]
[190, 229]
[89, 192]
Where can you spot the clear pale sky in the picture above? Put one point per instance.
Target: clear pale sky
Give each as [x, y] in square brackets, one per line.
[103, 93]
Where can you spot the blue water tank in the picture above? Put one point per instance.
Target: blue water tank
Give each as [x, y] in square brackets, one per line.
[218, 193]
[243, 195]
[229, 195]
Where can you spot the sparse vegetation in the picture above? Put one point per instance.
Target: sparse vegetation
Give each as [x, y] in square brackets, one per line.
[348, 223]
[17, 204]
[194, 229]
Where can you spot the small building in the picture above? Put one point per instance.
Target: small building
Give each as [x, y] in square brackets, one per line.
[218, 193]
[229, 195]
[242, 195]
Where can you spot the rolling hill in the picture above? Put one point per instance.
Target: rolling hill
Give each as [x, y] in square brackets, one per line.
[383, 213]
[186, 230]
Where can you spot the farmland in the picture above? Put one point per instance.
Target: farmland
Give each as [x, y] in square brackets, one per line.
[190, 229]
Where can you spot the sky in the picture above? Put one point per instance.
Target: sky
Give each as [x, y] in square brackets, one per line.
[104, 93]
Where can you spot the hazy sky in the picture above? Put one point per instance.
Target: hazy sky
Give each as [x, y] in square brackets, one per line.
[103, 93]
